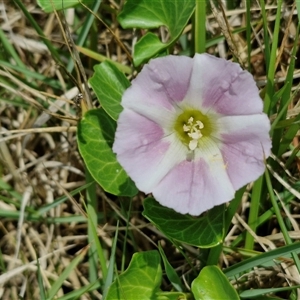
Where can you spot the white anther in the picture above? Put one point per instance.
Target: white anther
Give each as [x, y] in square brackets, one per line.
[194, 132]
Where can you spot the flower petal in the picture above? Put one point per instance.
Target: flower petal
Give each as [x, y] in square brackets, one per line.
[245, 143]
[242, 167]
[197, 185]
[144, 151]
[223, 87]
[258, 125]
[161, 83]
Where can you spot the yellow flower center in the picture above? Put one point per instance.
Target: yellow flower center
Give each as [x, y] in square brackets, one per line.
[191, 126]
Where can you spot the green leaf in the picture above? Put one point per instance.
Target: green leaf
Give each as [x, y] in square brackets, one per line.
[204, 232]
[109, 85]
[95, 137]
[146, 47]
[153, 14]
[140, 281]
[210, 277]
[171, 273]
[171, 296]
[51, 5]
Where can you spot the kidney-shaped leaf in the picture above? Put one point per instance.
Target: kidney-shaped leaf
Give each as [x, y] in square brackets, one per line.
[204, 232]
[141, 280]
[109, 85]
[152, 14]
[211, 283]
[95, 137]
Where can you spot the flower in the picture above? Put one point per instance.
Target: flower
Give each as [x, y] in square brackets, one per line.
[192, 131]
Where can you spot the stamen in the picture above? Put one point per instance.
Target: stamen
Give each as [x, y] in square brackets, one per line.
[200, 124]
[193, 129]
[186, 128]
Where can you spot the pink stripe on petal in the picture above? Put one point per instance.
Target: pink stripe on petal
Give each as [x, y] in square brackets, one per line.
[161, 83]
[251, 129]
[244, 152]
[143, 151]
[194, 187]
[244, 156]
[223, 87]
[245, 143]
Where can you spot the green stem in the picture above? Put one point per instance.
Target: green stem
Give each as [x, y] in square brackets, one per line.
[126, 236]
[253, 214]
[95, 251]
[286, 97]
[248, 33]
[199, 26]
[84, 32]
[270, 58]
[215, 252]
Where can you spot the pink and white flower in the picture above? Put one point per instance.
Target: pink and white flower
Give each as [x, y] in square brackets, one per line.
[192, 131]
